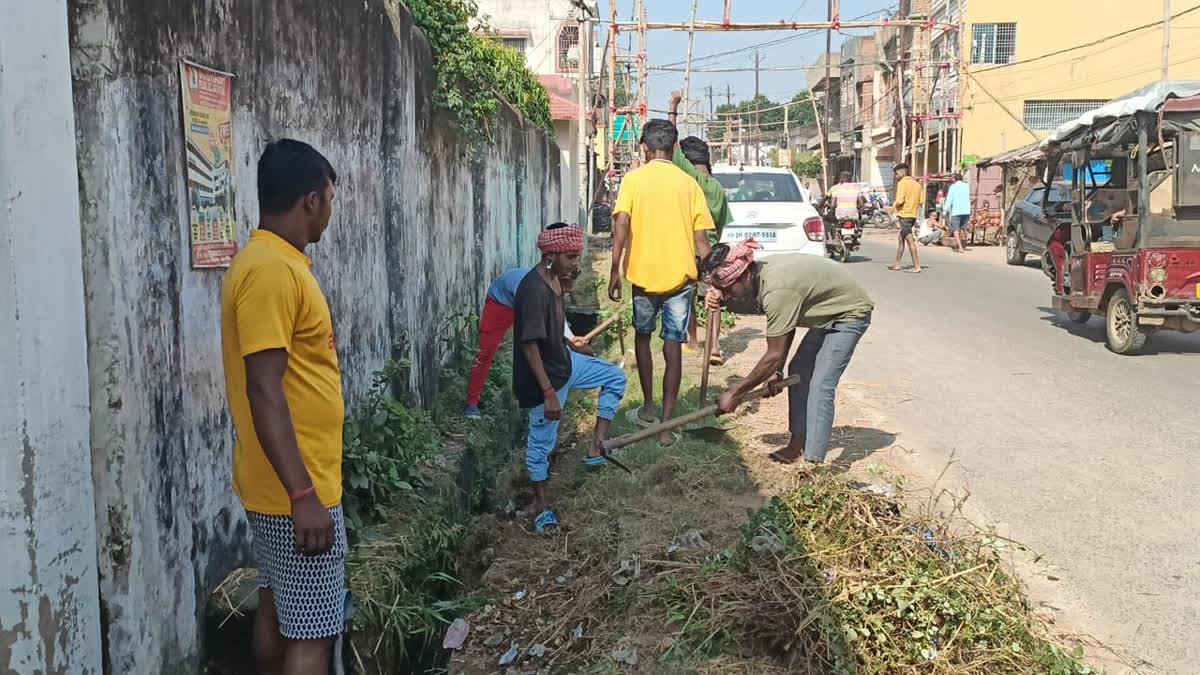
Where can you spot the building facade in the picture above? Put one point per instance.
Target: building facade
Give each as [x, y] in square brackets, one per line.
[1023, 83]
[556, 38]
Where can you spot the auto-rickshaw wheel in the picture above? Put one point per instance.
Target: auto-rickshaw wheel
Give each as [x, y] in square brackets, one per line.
[1124, 334]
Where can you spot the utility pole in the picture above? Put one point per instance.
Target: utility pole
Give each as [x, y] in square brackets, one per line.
[709, 90]
[1166, 35]
[785, 158]
[728, 95]
[825, 133]
[757, 129]
[687, 76]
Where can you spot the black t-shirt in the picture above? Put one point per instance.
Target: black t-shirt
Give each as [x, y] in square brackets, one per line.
[538, 316]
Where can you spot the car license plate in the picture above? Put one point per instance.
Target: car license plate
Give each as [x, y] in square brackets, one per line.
[761, 236]
[1198, 290]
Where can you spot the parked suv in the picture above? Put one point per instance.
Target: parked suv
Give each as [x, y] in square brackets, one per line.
[1029, 228]
[770, 205]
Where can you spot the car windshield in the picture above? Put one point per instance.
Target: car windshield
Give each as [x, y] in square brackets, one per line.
[759, 187]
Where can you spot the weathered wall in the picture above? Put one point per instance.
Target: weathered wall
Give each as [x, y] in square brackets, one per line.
[418, 228]
[49, 619]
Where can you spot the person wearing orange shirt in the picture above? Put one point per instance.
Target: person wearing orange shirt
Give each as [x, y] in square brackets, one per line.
[660, 224]
[285, 396]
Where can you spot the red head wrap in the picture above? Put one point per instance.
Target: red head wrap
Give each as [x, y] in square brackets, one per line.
[731, 269]
[561, 240]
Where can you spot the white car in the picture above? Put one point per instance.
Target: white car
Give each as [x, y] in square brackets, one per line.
[770, 205]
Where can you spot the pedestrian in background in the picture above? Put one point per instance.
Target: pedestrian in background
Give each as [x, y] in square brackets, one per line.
[660, 226]
[906, 206]
[958, 210]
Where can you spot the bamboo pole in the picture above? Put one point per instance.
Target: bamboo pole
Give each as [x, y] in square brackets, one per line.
[687, 76]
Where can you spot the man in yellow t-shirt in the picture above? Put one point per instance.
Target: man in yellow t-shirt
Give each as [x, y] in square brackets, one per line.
[660, 224]
[285, 396]
[906, 207]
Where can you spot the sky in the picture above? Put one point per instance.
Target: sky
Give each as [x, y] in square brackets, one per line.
[669, 47]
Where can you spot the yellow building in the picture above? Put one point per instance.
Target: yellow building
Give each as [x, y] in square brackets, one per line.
[1021, 88]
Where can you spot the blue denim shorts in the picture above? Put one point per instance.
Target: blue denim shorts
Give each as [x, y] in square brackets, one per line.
[959, 222]
[676, 311]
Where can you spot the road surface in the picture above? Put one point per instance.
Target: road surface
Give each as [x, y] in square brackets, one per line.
[1089, 458]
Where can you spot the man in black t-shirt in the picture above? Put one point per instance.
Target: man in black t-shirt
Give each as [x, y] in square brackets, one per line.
[546, 366]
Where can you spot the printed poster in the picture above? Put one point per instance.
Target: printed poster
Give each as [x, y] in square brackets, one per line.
[208, 137]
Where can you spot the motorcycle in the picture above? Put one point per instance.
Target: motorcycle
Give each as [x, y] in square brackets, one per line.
[842, 237]
[875, 213]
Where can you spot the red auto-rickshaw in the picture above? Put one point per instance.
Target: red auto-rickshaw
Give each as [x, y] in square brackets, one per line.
[1132, 252]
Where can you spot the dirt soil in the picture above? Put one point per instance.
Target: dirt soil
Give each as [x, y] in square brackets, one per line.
[557, 599]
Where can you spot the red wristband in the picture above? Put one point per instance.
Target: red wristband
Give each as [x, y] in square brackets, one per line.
[301, 494]
[549, 391]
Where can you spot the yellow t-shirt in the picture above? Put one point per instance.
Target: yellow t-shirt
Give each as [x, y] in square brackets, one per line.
[270, 300]
[666, 208]
[908, 198]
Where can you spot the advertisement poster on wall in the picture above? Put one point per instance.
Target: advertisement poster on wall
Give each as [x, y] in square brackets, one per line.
[208, 137]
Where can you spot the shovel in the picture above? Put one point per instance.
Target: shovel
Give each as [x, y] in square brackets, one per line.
[694, 416]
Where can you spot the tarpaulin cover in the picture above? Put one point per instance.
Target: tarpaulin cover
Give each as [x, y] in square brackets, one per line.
[1147, 99]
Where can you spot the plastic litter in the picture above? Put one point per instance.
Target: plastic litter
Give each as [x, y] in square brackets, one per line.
[537, 650]
[628, 571]
[509, 656]
[519, 595]
[766, 544]
[578, 634]
[691, 539]
[456, 635]
[560, 579]
[494, 640]
[626, 656]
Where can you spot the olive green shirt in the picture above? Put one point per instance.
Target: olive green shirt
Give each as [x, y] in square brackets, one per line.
[800, 290]
[714, 194]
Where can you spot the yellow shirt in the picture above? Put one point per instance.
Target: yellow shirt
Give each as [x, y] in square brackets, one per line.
[666, 208]
[908, 198]
[270, 300]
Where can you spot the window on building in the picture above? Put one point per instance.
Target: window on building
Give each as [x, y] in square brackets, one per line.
[1048, 115]
[993, 43]
[568, 47]
[517, 43]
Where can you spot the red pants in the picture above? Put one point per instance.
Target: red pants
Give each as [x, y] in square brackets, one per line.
[493, 324]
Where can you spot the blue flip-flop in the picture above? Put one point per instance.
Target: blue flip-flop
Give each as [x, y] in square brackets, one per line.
[545, 519]
[600, 461]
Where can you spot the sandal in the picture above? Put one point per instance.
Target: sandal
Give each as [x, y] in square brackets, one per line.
[545, 519]
[715, 359]
[632, 416]
[599, 460]
[675, 438]
[781, 458]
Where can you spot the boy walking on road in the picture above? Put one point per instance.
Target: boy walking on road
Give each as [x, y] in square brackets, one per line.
[285, 396]
[660, 225]
[793, 291]
[958, 209]
[906, 206]
[546, 368]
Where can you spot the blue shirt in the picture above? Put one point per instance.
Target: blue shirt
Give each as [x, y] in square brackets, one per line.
[958, 199]
[504, 289]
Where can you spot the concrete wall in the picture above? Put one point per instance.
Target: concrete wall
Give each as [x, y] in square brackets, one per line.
[49, 618]
[1102, 72]
[420, 226]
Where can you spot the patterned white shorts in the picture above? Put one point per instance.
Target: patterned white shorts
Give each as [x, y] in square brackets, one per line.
[309, 590]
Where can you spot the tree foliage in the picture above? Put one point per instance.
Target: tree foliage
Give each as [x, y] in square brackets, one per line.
[465, 57]
[770, 115]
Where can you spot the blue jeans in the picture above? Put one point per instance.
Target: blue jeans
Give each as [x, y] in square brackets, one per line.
[822, 357]
[676, 311]
[587, 372]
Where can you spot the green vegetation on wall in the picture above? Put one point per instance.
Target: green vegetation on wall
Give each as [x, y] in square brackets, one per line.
[464, 57]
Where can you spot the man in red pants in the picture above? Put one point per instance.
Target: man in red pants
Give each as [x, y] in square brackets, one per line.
[494, 323]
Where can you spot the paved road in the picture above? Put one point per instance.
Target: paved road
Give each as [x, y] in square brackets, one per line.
[1090, 458]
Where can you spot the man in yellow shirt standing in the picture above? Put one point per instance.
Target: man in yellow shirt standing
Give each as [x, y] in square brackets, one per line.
[285, 396]
[660, 224]
[906, 206]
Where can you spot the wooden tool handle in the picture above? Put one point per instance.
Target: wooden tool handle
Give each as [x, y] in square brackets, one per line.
[712, 328]
[603, 326]
[655, 429]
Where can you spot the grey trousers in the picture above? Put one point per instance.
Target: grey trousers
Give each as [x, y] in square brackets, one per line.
[821, 358]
